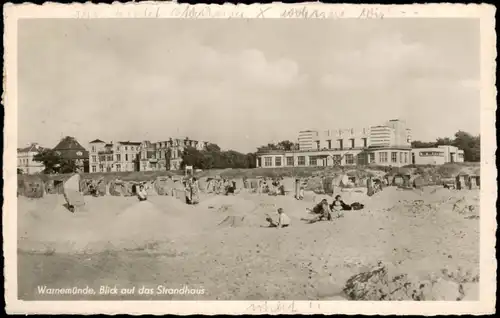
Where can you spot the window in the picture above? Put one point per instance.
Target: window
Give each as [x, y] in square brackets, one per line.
[94, 158]
[394, 157]
[101, 168]
[268, 161]
[108, 169]
[401, 157]
[431, 154]
[126, 156]
[301, 160]
[361, 159]
[372, 157]
[110, 158]
[289, 161]
[117, 148]
[341, 144]
[365, 142]
[118, 157]
[313, 161]
[329, 144]
[132, 148]
[126, 148]
[353, 143]
[277, 161]
[94, 169]
[93, 148]
[118, 167]
[382, 157]
[317, 144]
[349, 159]
[406, 157]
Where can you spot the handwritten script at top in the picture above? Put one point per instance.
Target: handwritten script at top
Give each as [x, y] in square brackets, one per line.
[230, 12]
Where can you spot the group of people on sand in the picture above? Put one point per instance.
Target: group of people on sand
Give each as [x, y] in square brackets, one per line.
[321, 211]
[191, 189]
[222, 186]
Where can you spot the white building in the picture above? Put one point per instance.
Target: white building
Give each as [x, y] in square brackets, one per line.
[437, 156]
[113, 157]
[387, 145]
[25, 160]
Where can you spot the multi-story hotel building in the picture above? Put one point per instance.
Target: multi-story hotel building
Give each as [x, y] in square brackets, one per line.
[139, 156]
[166, 155]
[111, 157]
[388, 145]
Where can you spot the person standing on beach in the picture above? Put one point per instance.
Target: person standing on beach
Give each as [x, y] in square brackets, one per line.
[195, 190]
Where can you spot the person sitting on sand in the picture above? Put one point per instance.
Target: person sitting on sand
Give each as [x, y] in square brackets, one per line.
[318, 208]
[339, 206]
[322, 211]
[283, 220]
[142, 194]
[230, 188]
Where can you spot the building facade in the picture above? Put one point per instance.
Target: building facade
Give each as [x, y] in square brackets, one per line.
[25, 162]
[139, 156]
[166, 155]
[387, 145]
[437, 156]
[113, 157]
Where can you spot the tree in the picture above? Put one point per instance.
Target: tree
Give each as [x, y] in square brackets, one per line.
[213, 158]
[54, 163]
[422, 144]
[19, 171]
[444, 142]
[192, 157]
[471, 145]
[285, 145]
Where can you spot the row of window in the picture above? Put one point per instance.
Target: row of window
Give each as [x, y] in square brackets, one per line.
[341, 143]
[349, 159]
[431, 154]
[132, 148]
[110, 158]
[118, 167]
[383, 157]
[23, 161]
[301, 160]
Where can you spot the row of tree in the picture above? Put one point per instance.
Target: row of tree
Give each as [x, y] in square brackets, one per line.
[214, 158]
[470, 144]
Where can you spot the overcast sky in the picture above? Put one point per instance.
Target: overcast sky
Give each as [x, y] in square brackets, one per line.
[243, 83]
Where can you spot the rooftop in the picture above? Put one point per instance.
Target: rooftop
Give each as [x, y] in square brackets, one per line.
[31, 148]
[96, 141]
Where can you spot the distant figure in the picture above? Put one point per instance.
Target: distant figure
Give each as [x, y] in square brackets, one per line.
[369, 187]
[187, 191]
[195, 190]
[230, 187]
[142, 194]
[283, 220]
